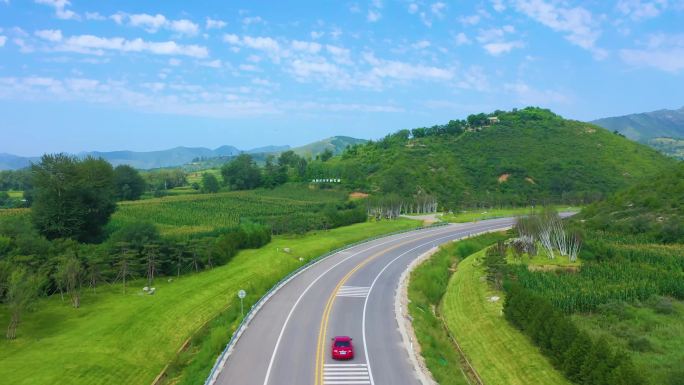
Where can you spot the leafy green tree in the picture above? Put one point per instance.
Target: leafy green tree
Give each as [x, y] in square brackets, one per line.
[326, 155]
[576, 356]
[241, 173]
[275, 173]
[22, 291]
[72, 198]
[209, 183]
[128, 183]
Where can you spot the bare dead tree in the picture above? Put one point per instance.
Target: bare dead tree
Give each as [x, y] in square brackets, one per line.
[575, 246]
[151, 253]
[124, 263]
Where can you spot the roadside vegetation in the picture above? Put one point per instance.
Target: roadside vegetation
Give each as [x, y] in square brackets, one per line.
[427, 286]
[129, 338]
[499, 352]
[491, 213]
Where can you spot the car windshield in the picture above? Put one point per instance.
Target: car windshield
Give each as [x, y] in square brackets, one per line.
[342, 344]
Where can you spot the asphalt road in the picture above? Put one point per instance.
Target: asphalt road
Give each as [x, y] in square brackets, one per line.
[350, 293]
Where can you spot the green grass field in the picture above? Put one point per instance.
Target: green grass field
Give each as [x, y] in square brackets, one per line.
[427, 285]
[478, 215]
[16, 194]
[500, 353]
[128, 339]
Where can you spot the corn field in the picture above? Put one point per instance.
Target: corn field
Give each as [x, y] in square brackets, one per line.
[629, 273]
[223, 209]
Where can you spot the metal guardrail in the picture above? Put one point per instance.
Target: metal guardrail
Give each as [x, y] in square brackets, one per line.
[221, 360]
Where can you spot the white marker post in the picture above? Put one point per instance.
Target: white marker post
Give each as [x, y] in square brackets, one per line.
[242, 294]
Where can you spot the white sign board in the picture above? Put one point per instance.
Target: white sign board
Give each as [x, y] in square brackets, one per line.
[242, 294]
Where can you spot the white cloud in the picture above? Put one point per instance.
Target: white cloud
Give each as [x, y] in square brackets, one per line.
[421, 44]
[212, 64]
[50, 34]
[638, 9]
[3, 40]
[252, 20]
[413, 8]
[118, 18]
[317, 34]
[495, 40]
[265, 44]
[470, 20]
[405, 71]
[153, 23]
[60, 8]
[215, 24]
[184, 27]
[306, 46]
[231, 39]
[373, 15]
[94, 16]
[497, 49]
[474, 79]
[461, 39]
[94, 45]
[660, 51]
[174, 62]
[339, 54]
[577, 23]
[498, 5]
[528, 95]
[438, 9]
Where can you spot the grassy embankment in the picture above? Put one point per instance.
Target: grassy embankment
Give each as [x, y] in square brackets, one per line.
[427, 285]
[481, 214]
[116, 338]
[499, 352]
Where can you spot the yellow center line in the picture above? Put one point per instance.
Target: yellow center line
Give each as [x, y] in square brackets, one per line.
[320, 355]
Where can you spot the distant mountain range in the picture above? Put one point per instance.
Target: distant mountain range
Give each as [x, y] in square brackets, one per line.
[647, 125]
[662, 129]
[183, 155]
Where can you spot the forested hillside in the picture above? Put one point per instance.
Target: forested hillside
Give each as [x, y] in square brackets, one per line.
[653, 208]
[503, 158]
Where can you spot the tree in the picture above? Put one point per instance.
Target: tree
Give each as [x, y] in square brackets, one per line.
[274, 173]
[326, 155]
[72, 198]
[128, 184]
[151, 255]
[241, 173]
[22, 290]
[209, 183]
[70, 276]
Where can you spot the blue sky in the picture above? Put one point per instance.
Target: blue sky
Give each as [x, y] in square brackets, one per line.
[143, 75]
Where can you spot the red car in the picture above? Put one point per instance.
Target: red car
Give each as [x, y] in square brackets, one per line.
[342, 348]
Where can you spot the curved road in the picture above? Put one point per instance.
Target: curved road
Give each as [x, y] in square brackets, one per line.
[349, 293]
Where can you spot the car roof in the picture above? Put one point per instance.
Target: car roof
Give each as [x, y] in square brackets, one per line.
[342, 338]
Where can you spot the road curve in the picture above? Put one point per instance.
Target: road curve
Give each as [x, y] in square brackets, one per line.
[349, 293]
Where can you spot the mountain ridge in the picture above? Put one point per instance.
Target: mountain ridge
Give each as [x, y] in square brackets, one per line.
[181, 155]
[646, 125]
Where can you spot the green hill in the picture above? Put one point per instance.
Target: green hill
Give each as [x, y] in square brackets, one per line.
[529, 156]
[336, 144]
[652, 208]
[647, 125]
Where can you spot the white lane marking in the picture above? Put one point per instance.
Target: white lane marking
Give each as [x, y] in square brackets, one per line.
[365, 303]
[337, 374]
[289, 315]
[353, 291]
